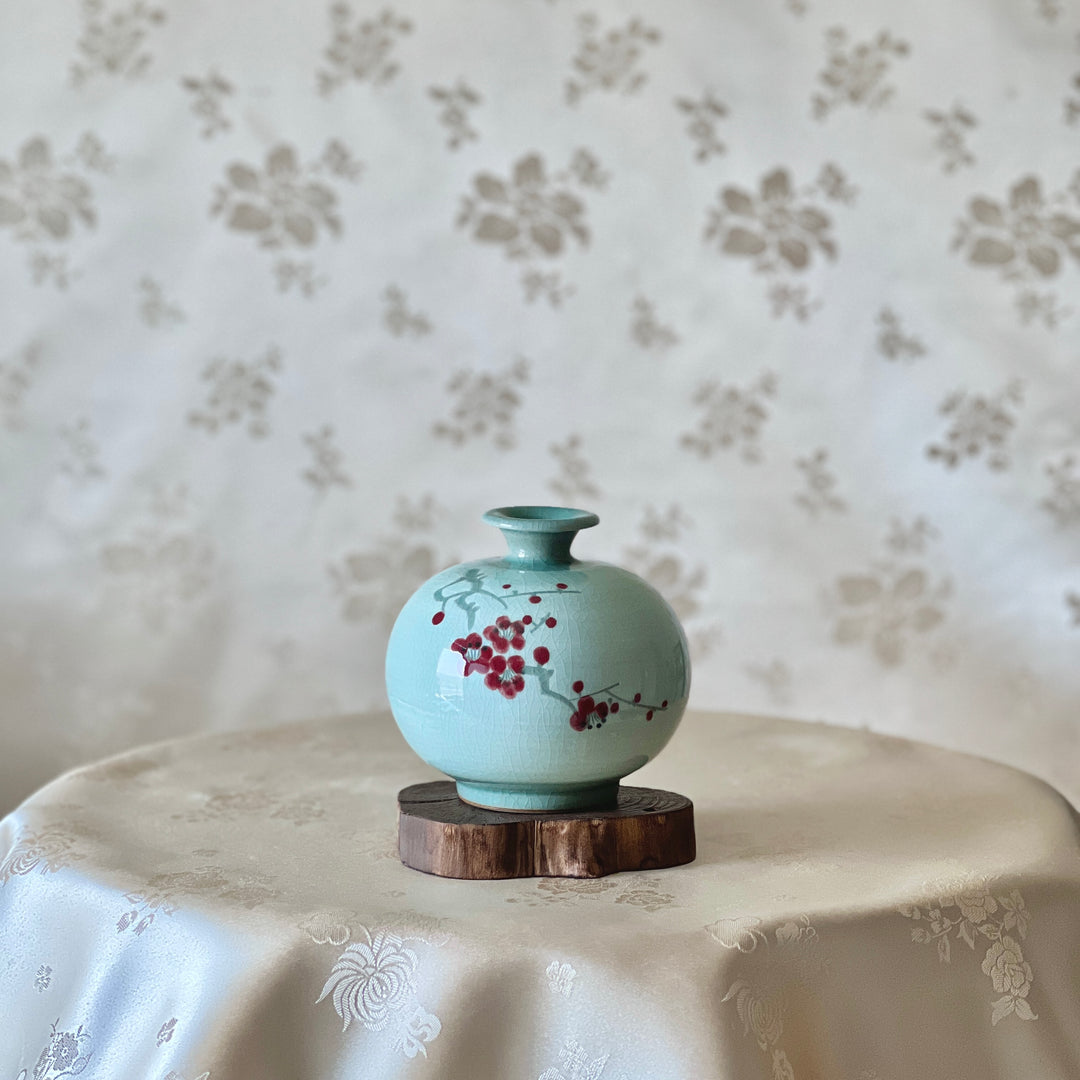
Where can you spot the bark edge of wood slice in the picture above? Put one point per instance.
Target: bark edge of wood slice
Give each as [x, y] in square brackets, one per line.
[439, 834]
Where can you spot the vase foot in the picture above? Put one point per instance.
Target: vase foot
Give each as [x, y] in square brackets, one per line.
[537, 800]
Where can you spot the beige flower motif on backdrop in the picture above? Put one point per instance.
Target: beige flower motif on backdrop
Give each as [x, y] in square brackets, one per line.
[154, 308]
[775, 677]
[574, 479]
[1027, 238]
[659, 558]
[532, 215]
[361, 50]
[239, 391]
[454, 103]
[646, 329]
[398, 319]
[609, 61]
[327, 468]
[82, 453]
[951, 129]
[485, 405]
[43, 200]
[374, 583]
[1063, 502]
[1072, 103]
[820, 496]
[780, 228]
[978, 425]
[892, 342]
[1072, 602]
[702, 116]
[56, 269]
[90, 153]
[208, 102]
[537, 285]
[888, 607]
[285, 204]
[732, 418]
[910, 539]
[974, 913]
[17, 374]
[302, 275]
[113, 38]
[163, 564]
[855, 74]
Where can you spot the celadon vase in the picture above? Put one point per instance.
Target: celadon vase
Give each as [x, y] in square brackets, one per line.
[536, 680]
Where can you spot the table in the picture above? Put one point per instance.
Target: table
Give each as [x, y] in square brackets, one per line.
[231, 908]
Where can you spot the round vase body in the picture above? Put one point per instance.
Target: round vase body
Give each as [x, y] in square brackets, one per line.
[537, 681]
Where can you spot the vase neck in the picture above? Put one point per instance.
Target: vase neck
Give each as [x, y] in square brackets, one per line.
[540, 535]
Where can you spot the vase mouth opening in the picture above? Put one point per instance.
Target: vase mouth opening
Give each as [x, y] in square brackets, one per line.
[541, 519]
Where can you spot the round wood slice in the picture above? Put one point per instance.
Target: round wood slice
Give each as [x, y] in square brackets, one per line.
[439, 834]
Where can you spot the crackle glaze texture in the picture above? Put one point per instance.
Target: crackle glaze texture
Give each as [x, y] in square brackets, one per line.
[537, 680]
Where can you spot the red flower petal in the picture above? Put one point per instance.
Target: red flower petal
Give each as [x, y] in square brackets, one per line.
[515, 663]
[602, 709]
[498, 664]
[577, 721]
[492, 681]
[474, 641]
[586, 705]
[502, 622]
[614, 707]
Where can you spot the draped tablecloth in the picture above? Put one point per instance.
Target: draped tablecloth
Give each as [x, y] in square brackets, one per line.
[232, 908]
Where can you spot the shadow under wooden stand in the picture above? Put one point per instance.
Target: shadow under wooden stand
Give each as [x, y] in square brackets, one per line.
[439, 834]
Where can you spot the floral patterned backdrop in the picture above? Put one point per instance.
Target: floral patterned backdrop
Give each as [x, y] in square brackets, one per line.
[786, 291]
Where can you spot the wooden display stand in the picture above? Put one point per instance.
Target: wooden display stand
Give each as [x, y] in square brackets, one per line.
[439, 834]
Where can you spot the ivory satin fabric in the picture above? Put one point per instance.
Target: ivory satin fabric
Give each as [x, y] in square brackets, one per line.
[787, 291]
[231, 908]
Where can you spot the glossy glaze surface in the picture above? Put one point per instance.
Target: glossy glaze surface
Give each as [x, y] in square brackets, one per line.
[534, 679]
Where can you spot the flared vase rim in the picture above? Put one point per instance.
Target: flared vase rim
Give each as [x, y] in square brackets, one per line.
[540, 519]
